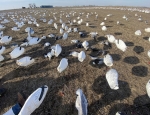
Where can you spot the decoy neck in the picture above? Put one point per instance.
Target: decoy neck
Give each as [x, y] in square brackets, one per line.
[118, 41]
[20, 48]
[31, 58]
[38, 39]
[42, 92]
[0, 47]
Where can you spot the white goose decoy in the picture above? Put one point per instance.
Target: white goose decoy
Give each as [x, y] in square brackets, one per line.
[111, 38]
[102, 24]
[50, 22]
[15, 29]
[18, 51]
[34, 41]
[2, 27]
[121, 45]
[25, 61]
[85, 44]
[112, 79]
[105, 19]
[47, 44]
[81, 103]
[50, 54]
[81, 56]
[1, 58]
[118, 22]
[138, 33]
[93, 34]
[104, 28]
[148, 53]
[62, 65]
[147, 29]
[2, 49]
[61, 31]
[75, 29]
[1, 34]
[63, 26]
[36, 98]
[74, 41]
[66, 28]
[148, 88]
[87, 24]
[55, 25]
[5, 39]
[58, 50]
[65, 36]
[74, 54]
[108, 60]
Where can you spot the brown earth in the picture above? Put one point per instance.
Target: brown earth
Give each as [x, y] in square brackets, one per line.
[133, 68]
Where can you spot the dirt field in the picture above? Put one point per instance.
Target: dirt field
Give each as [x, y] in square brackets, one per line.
[133, 68]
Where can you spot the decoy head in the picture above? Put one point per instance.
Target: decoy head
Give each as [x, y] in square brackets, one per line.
[0, 47]
[38, 39]
[8, 37]
[20, 48]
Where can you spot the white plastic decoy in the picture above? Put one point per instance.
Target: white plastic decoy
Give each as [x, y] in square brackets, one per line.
[62, 65]
[25, 61]
[36, 98]
[111, 38]
[108, 60]
[112, 79]
[81, 56]
[81, 103]
[2, 49]
[18, 51]
[121, 45]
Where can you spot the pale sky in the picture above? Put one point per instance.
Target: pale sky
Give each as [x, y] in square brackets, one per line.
[12, 4]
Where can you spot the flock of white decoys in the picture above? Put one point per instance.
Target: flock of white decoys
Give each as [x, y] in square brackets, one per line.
[19, 49]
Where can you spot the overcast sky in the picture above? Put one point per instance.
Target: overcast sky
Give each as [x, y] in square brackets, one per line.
[11, 4]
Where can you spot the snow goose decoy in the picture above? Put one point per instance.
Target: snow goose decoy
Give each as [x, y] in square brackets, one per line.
[47, 44]
[58, 50]
[15, 29]
[148, 53]
[2, 49]
[65, 36]
[147, 29]
[121, 45]
[108, 60]
[50, 54]
[85, 44]
[18, 51]
[74, 41]
[63, 26]
[5, 39]
[1, 58]
[2, 27]
[74, 54]
[62, 65]
[148, 88]
[81, 103]
[104, 28]
[111, 38]
[102, 24]
[87, 24]
[138, 33]
[61, 31]
[36, 98]
[34, 41]
[81, 56]
[93, 34]
[55, 25]
[25, 61]
[112, 79]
